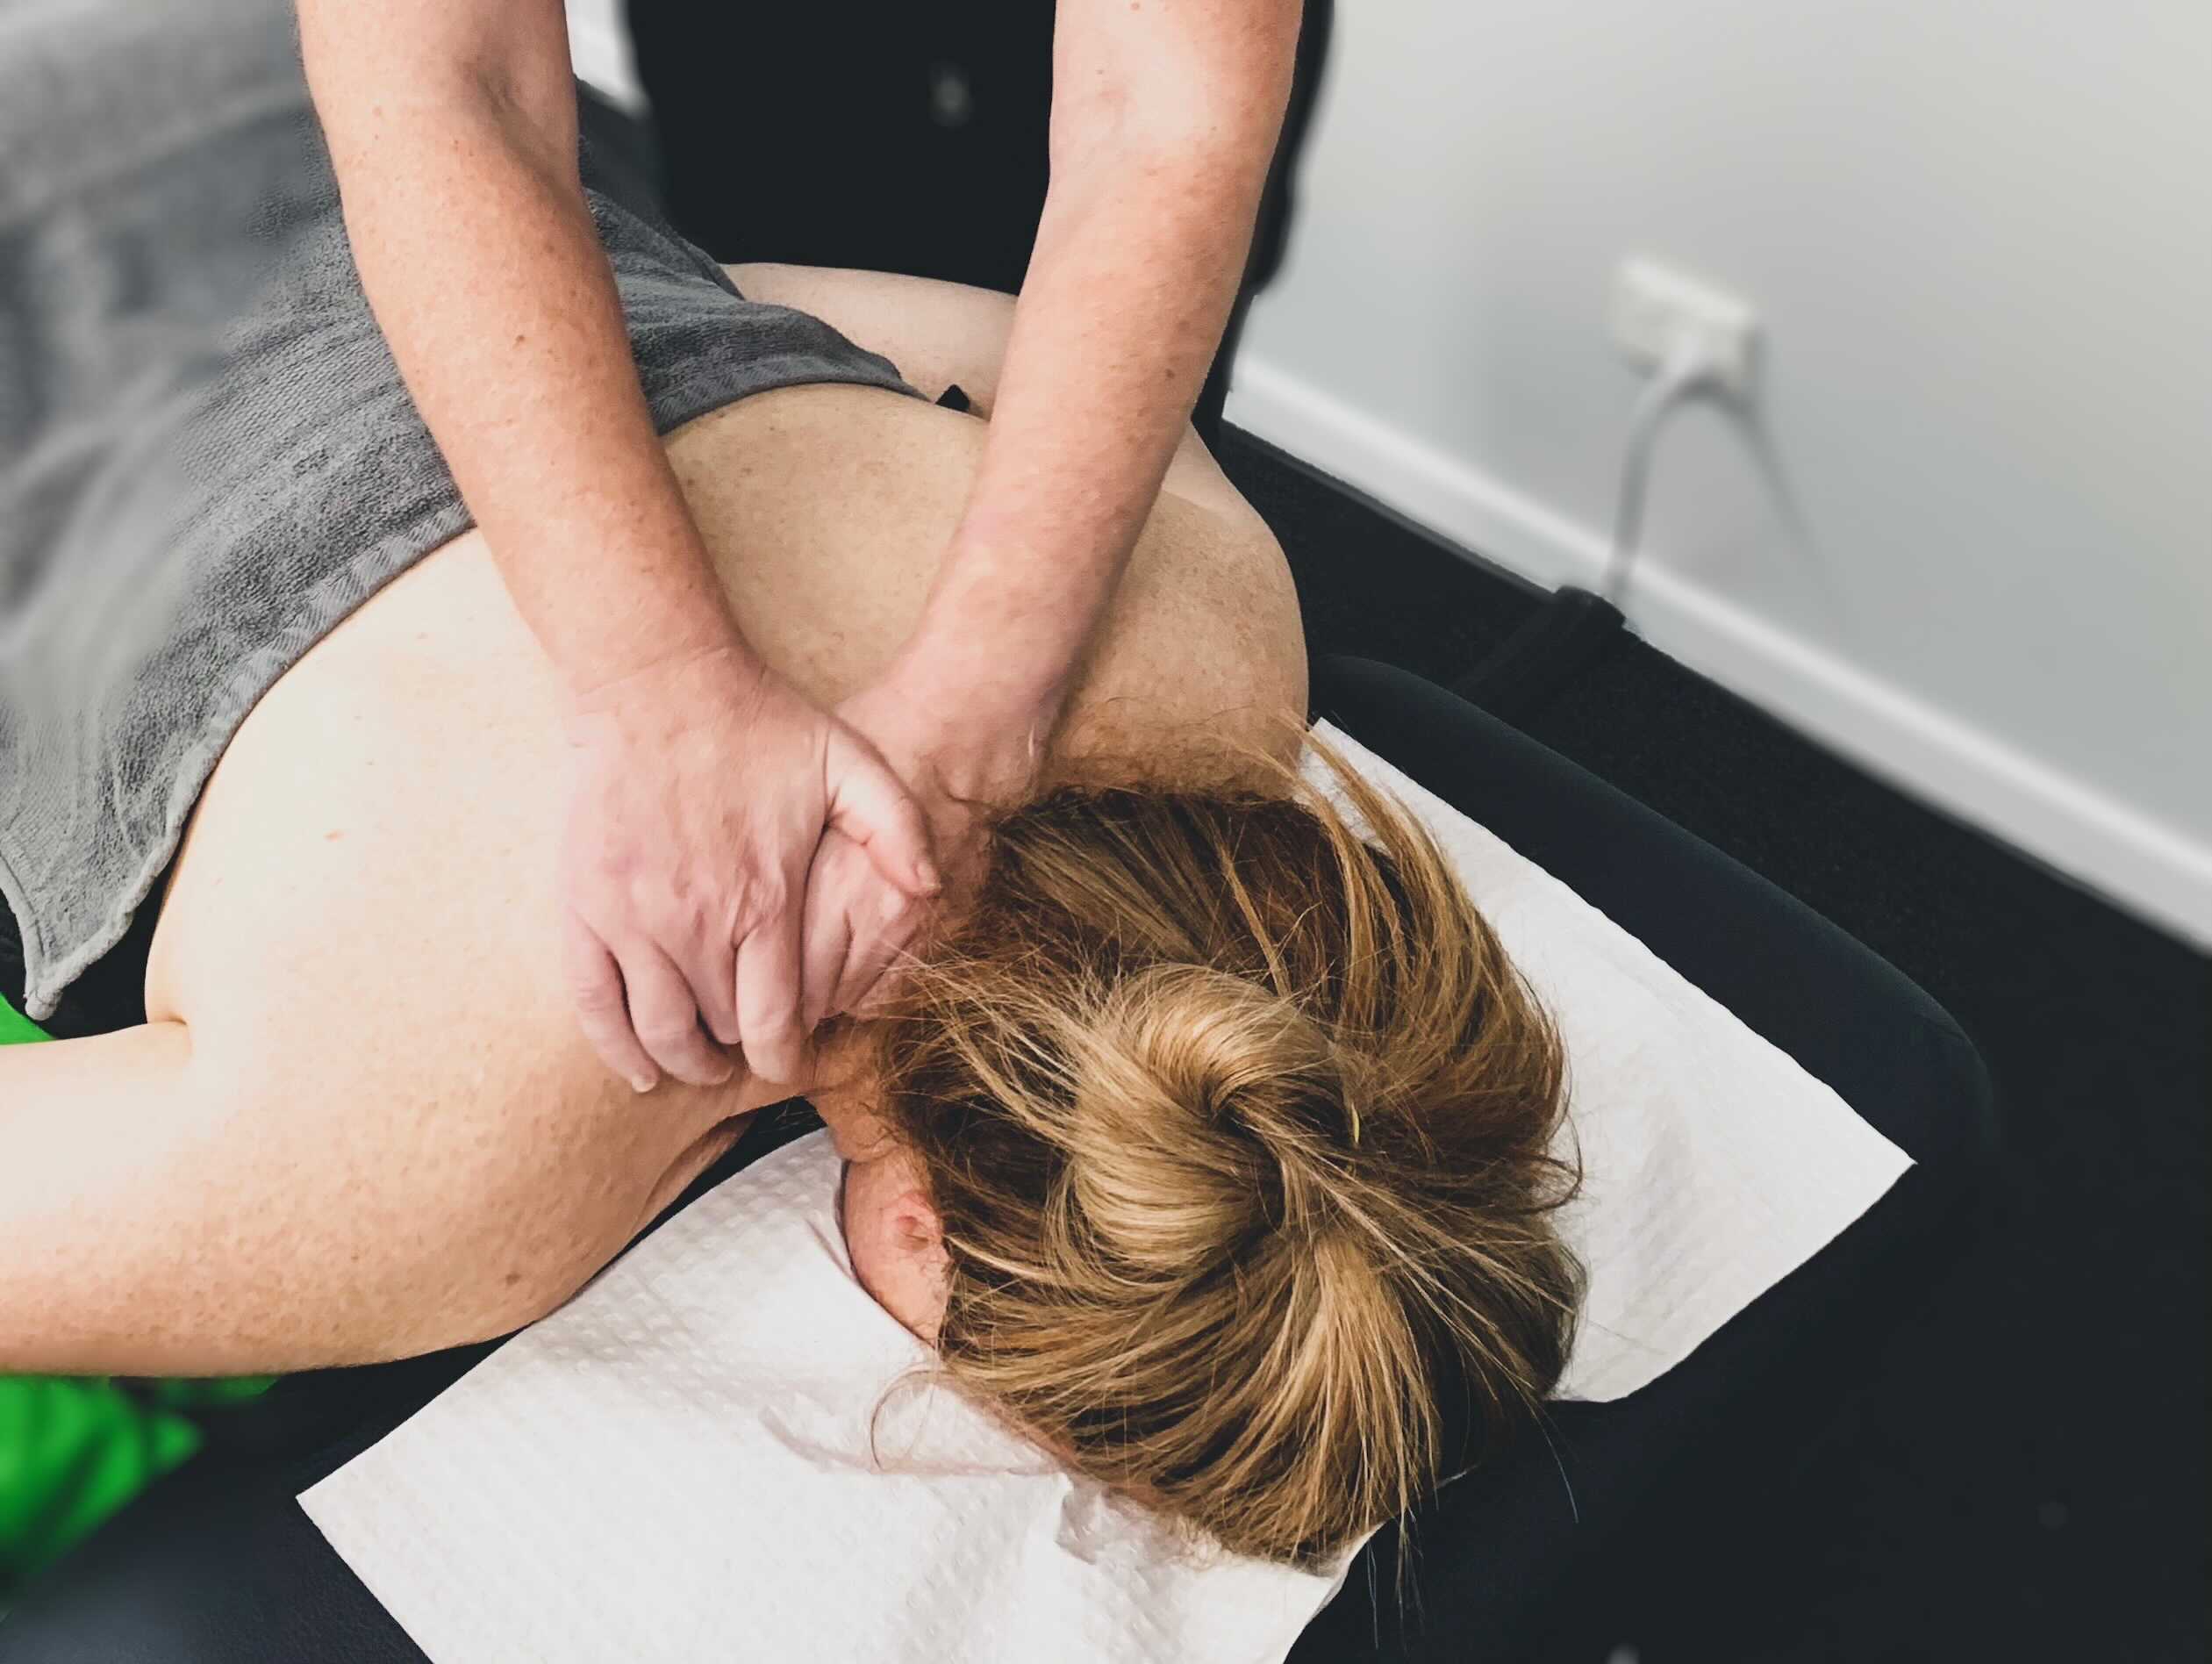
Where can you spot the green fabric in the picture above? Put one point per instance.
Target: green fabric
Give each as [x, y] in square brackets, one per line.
[15, 1027]
[72, 1451]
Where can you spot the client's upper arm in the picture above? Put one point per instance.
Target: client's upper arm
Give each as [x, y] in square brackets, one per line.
[170, 1210]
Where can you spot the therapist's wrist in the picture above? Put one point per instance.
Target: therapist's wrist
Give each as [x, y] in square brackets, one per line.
[981, 685]
[1011, 660]
[953, 733]
[723, 678]
[618, 612]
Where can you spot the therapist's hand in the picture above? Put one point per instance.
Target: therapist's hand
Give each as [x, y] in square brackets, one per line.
[702, 792]
[964, 755]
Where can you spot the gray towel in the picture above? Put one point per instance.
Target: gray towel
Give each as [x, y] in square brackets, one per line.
[207, 458]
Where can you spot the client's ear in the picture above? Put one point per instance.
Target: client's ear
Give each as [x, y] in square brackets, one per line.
[917, 1292]
[915, 1226]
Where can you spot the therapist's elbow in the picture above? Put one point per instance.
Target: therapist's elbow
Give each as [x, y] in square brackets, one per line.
[1217, 115]
[1222, 147]
[386, 103]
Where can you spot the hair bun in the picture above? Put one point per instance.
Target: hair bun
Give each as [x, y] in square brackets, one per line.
[1204, 1111]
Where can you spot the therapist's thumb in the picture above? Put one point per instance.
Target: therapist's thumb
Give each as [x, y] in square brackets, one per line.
[868, 805]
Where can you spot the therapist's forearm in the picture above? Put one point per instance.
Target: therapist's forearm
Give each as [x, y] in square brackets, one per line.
[479, 258]
[1137, 263]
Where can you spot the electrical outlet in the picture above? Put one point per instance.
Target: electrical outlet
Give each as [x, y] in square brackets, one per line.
[1654, 308]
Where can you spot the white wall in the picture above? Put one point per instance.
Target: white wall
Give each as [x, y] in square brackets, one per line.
[599, 50]
[1966, 536]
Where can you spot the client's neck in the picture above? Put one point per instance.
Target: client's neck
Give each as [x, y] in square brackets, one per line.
[840, 1081]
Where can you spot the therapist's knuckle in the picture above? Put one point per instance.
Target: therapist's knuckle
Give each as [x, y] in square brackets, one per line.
[689, 919]
[600, 1007]
[772, 894]
[665, 1032]
[607, 868]
[755, 907]
[594, 989]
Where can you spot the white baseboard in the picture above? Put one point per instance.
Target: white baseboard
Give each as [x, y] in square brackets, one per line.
[2141, 864]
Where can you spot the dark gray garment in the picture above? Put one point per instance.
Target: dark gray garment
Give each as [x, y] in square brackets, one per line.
[207, 458]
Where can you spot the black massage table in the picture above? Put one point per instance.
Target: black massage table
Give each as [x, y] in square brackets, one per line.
[1534, 1556]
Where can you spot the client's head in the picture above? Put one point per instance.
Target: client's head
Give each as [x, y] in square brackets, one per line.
[1219, 1157]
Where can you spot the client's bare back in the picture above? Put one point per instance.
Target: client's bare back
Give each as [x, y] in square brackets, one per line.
[424, 732]
[361, 1044]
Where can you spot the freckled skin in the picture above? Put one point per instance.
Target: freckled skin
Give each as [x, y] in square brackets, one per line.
[362, 1122]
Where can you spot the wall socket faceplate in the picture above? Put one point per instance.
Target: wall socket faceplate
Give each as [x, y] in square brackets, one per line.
[1654, 308]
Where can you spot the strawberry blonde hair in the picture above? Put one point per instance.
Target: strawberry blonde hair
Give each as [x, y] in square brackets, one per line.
[1240, 1127]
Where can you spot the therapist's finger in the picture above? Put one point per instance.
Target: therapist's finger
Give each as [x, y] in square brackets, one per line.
[666, 1018]
[824, 942]
[768, 996]
[708, 967]
[870, 965]
[871, 805]
[595, 984]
